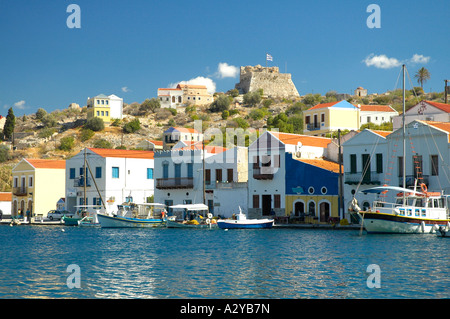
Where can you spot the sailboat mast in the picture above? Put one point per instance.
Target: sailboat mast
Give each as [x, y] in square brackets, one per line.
[404, 136]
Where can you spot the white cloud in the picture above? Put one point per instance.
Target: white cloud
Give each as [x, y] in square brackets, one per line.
[224, 70]
[200, 80]
[125, 89]
[381, 61]
[419, 58]
[20, 105]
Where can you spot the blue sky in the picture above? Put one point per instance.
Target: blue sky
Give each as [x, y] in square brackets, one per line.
[130, 48]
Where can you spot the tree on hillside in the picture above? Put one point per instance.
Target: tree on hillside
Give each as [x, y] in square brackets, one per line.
[40, 113]
[422, 76]
[222, 103]
[149, 106]
[10, 122]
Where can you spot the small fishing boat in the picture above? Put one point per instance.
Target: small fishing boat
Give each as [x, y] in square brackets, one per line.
[193, 216]
[242, 222]
[134, 216]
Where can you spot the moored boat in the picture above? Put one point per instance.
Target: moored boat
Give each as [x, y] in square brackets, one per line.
[443, 231]
[242, 222]
[193, 216]
[134, 216]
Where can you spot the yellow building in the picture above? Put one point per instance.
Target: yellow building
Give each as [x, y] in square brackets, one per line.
[329, 117]
[99, 106]
[37, 185]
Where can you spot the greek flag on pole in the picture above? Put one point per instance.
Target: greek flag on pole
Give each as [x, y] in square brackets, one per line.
[268, 57]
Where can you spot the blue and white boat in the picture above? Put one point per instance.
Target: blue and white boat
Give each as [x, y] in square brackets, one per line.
[242, 222]
[132, 216]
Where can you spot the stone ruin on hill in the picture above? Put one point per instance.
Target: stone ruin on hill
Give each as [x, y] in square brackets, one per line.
[273, 83]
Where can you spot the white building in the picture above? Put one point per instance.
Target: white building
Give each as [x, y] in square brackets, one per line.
[120, 175]
[116, 106]
[179, 178]
[376, 114]
[173, 135]
[267, 170]
[425, 111]
[371, 159]
[5, 204]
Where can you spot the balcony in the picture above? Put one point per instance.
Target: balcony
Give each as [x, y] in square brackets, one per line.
[177, 182]
[314, 126]
[225, 185]
[20, 191]
[263, 173]
[79, 182]
[371, 178]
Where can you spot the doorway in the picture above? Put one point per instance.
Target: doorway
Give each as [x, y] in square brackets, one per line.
[324, 208]
[266, 204]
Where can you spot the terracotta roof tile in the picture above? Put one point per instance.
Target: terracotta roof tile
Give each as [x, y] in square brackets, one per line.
[322, 163]
[293, 139]
[106, 152]
[47, 163]
[5, 197]
[376, 108]
[442, 106]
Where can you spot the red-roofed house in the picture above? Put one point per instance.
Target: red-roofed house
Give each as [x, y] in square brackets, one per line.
[120, 175]
[37, 185]
[425, 111]
[173, 135]
[376, 114]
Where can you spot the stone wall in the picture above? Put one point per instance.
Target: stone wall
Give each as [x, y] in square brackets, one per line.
[273, 83]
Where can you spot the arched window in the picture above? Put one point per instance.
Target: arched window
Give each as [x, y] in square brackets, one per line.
[299, 209]
[179, 99]
[173, 99]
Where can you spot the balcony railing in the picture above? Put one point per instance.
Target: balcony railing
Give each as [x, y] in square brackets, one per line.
[225, 185]
[371, 177]
[79, 182]
[314, 126]
[20, 191]
[177, 182]
[263, 173]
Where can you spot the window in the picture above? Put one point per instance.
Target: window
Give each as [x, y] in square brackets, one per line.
[115, 172]
[218, 175]
[98, 172]
[230, 175]
[379, 163]
[312, 209]
[400, 166]
[323, 190]
[72, 173]
[277, 201]
[207, 176]
[30, 181]
[307, 119]
[311, 190]
[322, 117]
[107, 113]
[434, 165]
[82, 201]
[165, 170]
[16, 182]
[255, 201]
[190, 170]
[177, 170]
[98, 113]
[103, 113]
[96, 201]
[353, 163]
[149, 173]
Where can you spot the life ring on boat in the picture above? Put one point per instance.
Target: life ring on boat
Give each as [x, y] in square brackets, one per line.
[210, 215]
[423, 187]
[208, 221]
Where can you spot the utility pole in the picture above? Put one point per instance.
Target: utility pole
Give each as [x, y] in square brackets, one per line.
[341, 187]
[446, 91]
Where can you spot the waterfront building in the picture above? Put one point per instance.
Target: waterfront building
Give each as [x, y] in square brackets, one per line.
[326, 118]
[173, 135]
[37, 185]
[121, 176]
[376, 114]
[179, 178]
[269, 173]
[312, 190]
[375, 158]
[150, 145]
[184, 94]
[425, 111]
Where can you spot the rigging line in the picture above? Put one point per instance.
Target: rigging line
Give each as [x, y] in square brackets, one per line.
[398, 77]
[367, 164]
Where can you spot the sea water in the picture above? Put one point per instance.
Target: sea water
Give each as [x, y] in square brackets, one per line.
[37, 262]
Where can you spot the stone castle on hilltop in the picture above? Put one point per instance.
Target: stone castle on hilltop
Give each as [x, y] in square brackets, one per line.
[273, 83]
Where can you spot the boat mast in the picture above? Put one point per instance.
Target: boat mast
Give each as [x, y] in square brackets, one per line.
[85, 178]
[404, 138]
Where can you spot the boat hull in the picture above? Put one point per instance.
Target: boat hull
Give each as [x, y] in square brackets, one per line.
[245, 224]
[125, 222]
[395, 224]
[174, 224]
[70, 221]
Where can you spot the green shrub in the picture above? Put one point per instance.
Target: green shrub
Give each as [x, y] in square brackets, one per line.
[66, 143]
[102, 144]
[95, 124]
[86, 134]
[132, 126]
